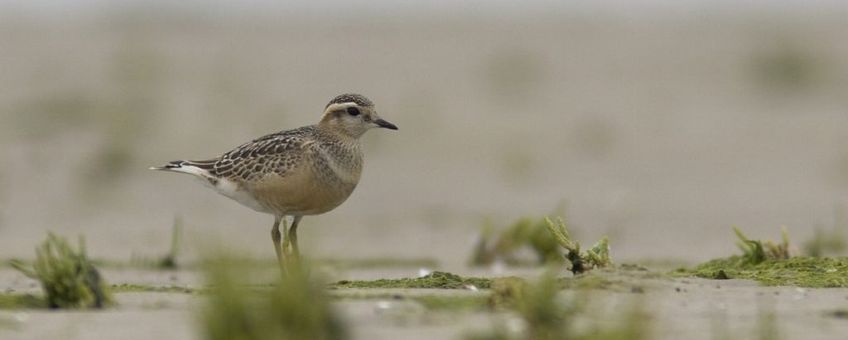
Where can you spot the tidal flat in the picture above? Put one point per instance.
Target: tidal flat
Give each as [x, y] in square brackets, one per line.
[164, 304]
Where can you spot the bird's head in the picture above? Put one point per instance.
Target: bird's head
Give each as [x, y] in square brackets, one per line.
[352, 115]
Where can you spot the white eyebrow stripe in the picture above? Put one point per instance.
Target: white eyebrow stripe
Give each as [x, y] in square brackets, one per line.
[339, 106]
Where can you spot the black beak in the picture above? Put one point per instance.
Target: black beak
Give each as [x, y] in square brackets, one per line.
[384, 124]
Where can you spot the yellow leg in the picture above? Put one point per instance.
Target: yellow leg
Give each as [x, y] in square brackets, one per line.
[292, 238]
[276, 236]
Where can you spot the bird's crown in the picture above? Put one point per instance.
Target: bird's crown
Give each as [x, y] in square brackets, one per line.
[350, 98]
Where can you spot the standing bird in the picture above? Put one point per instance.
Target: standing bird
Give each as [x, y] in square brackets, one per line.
[305, 171]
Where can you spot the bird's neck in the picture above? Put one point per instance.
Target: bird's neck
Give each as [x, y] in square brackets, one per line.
[339, 132]
[339, 139]
[342, 155]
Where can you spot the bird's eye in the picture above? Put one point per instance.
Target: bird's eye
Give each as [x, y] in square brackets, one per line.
[353, 111]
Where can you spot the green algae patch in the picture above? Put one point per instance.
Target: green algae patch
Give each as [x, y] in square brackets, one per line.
[770, 264]
[134, 288]
[812, 272]
[436, 280]
[21, 301]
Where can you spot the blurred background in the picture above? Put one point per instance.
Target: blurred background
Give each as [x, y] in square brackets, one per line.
[661, 125]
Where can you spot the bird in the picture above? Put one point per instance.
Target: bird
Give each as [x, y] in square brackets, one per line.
[293, 173]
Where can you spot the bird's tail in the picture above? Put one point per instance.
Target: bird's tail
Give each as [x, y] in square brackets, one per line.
[189, 167]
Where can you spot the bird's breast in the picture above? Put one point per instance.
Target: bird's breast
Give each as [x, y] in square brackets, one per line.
[304, 191]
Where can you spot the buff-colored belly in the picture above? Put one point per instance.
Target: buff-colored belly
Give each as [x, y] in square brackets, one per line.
[300, 193]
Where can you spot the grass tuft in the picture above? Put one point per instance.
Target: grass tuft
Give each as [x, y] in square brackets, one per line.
[525, 233]
[755, 252]
[506, 292]
[67, 277]
[596, 257]
[545, 239]
[545, 315]
[168, 261]
[297, 308]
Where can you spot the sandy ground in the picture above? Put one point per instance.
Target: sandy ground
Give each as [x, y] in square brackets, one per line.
[679, 308]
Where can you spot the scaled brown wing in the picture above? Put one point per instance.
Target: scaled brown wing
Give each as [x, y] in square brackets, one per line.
[275, 153]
